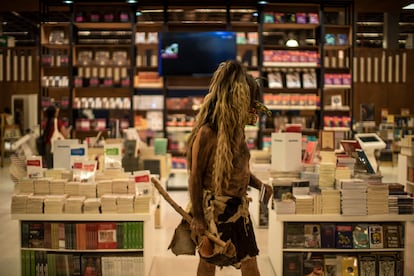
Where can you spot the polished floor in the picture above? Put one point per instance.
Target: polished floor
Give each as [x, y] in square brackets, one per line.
[165, 263]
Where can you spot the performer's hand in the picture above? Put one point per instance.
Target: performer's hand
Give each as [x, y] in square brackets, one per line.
[268, 194]
[198, 225]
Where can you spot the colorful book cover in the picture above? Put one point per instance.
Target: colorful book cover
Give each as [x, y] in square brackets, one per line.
[91, 265]
[376, 237]
[314, 265]
[360, 236]
[332, 265]
[312, 235]
[349, 266]
[344, 236]
[106, 235]
[36, 235]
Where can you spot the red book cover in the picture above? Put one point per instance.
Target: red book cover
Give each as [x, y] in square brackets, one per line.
[81, 236]
[107, 235]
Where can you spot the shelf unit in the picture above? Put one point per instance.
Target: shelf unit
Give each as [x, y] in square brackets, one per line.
[145, 252]
[277, 234]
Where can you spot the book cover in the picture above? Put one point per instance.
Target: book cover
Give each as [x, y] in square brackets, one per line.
[314, 265]
[349, 266]
[344, 236]
[293, 264]
[386, 264]
[91, 265]
[392, 234]
[328, 235]
[36, 235]
[367, 264]
[294, 235]
[331, 264]
[106, 235]
[360, 235]
[376, 237]
[312, 234]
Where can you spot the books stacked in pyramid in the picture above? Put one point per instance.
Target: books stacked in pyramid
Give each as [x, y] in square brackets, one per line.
[74, 204]
[377, 198]
[353, 197]
[120, 185]
[25, 185]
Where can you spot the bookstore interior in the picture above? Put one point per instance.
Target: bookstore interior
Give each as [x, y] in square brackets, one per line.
[128, 78]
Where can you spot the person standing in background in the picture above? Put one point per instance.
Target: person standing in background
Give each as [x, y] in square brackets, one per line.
[50, 133]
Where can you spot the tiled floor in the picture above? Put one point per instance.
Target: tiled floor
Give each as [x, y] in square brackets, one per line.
[165, 263]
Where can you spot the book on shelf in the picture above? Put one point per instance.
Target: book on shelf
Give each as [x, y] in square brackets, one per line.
[387, 264]
[360, 235]
[106, 234]
[367, 264]
[36, 235]
[343, 236]
[376, 236]
[392, 235]
[328, 235]
[332, 264]
[91, 264]
[349, 266]
[293, 264]
[313, 265]
[312, 234]
[294, 235]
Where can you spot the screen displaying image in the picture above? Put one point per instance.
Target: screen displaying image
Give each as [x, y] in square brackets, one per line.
[195, 53]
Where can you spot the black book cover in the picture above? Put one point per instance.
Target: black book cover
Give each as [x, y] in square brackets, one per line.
[328, 235]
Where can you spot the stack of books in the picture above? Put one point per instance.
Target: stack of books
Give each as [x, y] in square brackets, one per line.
[35, 204]
[87, 189]
[377, 198]
[142, 204]
[120, 185]
[19, 203]
[313, 179]
[54, 204]
[331, 201]
[72, 188]
[25, 185]
[326, 175]
[56, 186]
[92, 206]
[41, 186]
[285, 207]
[125, 203]
[304, 204]
[108, 203]
[103, 187]
[74, 204]
[353, 197]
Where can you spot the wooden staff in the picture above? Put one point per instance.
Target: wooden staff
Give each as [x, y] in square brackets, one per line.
[183, 213]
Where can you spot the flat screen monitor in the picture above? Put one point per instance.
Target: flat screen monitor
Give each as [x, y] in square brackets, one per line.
[195, 53]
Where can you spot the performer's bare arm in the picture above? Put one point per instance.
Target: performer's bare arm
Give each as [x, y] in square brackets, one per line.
[201, 152]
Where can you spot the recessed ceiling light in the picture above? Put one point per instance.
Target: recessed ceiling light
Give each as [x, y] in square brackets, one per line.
[262, 2]
[68, 1]
[132, 1]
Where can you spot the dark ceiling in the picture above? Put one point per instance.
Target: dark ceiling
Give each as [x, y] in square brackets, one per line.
[21, 18]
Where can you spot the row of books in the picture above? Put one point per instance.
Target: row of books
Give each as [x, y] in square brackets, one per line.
[362, 264]
[60, 204]
[291, 99]
[44, 263]
[296, 18]
[344, 235]
[292, 79]
[82, 236]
